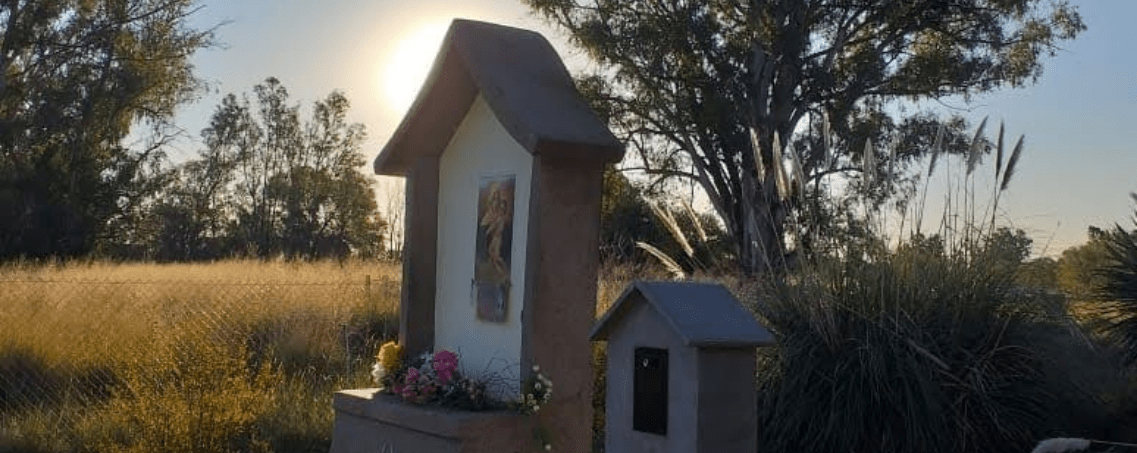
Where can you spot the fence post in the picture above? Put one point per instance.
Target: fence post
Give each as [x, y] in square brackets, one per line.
[367, 291]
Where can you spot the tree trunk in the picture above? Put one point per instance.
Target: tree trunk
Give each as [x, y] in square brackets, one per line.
[760, 228]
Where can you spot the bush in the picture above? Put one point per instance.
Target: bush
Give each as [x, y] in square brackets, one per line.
[1117, 308]
[921, 350]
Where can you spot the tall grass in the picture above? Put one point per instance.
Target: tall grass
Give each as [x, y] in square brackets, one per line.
[912, 351]
[233, 356]
[928, 345]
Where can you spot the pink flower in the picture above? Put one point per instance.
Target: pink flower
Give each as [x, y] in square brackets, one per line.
[445, 376]
[444, 361]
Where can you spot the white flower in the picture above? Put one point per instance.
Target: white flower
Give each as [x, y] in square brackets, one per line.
[537, 386]
[377, 373]
[536, 408]
[548, 447]
[536, 369]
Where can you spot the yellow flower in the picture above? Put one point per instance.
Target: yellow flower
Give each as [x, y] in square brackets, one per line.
[390, 356]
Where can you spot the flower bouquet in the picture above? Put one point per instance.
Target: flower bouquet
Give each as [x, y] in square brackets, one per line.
[428, 379]
[434, 379]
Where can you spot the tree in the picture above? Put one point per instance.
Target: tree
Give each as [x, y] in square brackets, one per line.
[273, 184]
[1007, 250]
[625, 218]
[75, 77]
[1003, 251]
[714, 91]
[188, 220]
[391, 209]
[1079, 267]
[1040, 274]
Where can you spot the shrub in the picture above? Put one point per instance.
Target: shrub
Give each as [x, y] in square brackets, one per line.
[1118, 292]
[923, 350]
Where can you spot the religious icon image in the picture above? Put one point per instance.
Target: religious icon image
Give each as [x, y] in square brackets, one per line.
[494, 247]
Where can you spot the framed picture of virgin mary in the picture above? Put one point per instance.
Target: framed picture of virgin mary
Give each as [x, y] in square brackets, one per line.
[492, 272]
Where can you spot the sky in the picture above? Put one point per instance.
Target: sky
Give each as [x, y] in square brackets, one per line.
[1079, 120]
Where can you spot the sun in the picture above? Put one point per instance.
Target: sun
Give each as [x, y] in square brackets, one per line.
[409, 64]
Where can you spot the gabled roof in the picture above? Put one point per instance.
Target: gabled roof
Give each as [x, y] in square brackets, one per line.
[702, 314]
[524, 82]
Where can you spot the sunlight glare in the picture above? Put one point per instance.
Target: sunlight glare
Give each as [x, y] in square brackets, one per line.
[409, 64]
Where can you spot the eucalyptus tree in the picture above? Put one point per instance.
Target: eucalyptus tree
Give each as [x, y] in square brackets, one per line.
[713, 91]
[272, 182]
[75, 77]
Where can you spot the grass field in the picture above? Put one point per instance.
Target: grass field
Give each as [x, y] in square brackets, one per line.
[231, 356]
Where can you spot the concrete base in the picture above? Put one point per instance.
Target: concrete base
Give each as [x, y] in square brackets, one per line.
[368, 421]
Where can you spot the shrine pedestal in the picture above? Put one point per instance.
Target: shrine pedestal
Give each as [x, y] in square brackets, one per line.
[372, 422]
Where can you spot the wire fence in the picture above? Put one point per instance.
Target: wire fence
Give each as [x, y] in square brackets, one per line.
[247, 365]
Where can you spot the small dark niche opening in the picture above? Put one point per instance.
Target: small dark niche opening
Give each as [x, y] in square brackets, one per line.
[649, 389]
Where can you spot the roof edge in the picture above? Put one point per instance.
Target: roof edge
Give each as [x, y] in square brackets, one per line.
[536, 101]
[386, 162]
[600, 331]
[613, 316]
[729, 344]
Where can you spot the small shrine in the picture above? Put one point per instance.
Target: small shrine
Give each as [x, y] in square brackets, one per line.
[681, 366]
[503, 163]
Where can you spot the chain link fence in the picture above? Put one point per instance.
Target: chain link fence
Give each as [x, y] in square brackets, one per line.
[183, 365]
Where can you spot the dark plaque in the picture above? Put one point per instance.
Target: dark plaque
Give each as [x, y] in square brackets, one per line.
[649, 388]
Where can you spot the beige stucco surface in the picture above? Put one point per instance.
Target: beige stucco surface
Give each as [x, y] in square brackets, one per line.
[480, 147]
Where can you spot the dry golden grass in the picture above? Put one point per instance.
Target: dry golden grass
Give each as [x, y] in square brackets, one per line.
[230, 356]
[105, 313]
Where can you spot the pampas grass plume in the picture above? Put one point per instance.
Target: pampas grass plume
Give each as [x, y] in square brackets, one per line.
[999, 156]
[673, 267]
[976, 147]
[702, 232]
[664, 215]
[1010, 171]
[1061, 444]
[937, 146]
[782, 179]
[869, 162]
